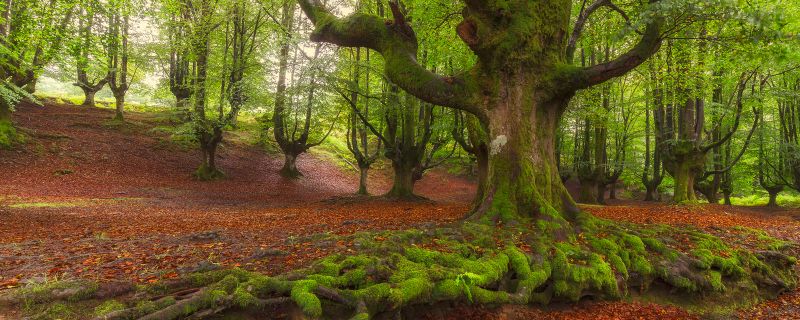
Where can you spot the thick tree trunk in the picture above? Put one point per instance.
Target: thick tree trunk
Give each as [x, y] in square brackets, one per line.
[88, 98]
[403, 185]
[773, 198]
[119, 113]
[31, 86]
[522, 178]
[289, 169]
[650, 194]
[362, 181]
[684, 184]
[727, 197]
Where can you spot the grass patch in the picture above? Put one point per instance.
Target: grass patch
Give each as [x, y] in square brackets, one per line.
[19, 203]
[786, 200]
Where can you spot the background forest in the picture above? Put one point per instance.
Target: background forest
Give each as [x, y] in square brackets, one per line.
[706, 111]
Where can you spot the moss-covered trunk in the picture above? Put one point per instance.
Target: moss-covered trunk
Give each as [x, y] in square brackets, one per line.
[119, 111]
[403, 184]
[684, 184]
[522, 178]
[209, 143]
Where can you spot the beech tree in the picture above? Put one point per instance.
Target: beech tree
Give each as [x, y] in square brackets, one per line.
[31, 34]
[118, 54]
[519, 87]
[89, 57]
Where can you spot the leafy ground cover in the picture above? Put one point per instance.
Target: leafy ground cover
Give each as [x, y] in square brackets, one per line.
[85, 200]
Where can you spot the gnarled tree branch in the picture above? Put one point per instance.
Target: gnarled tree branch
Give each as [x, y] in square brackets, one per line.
[397, 43]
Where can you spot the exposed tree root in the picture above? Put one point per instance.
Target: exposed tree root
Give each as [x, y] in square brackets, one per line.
[400, 269]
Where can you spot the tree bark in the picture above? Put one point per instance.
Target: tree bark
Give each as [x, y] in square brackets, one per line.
[403, 184]
[119, 111]
[727, 197]
[650, 193]
[684, 183]
[773, 199]
[88, 98]
[522, 176]
[289, 169]
[362, 181]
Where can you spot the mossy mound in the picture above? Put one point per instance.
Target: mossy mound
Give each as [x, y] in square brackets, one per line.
[205, 173]
[9, 135]
[480, 263]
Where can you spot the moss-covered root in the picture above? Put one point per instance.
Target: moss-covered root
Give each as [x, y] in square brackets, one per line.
[75, 290]
[400, 269]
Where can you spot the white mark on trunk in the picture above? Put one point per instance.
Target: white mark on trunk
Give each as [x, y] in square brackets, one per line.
[497, 144]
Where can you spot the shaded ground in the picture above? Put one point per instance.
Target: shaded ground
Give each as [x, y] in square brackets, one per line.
[101, 200]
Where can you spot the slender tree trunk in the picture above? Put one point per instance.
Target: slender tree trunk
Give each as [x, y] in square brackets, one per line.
[727, 197]
[209, 143]
[119, 113]
[362, 181]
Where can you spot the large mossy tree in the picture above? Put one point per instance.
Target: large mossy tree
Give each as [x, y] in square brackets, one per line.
[519, 87]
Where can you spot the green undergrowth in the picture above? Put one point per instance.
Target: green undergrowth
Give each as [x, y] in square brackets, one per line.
[785, 199]
[475, 263]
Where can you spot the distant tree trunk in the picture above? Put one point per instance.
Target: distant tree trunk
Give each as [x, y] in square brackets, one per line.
[727, 197]
[657, 110]
[118, 59]
[208, 148]
[586, 173]
[88, 98]
[773, 197]
[82, 57]
[612, 193]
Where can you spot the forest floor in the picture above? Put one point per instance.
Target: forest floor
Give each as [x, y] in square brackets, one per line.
[86, 197]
